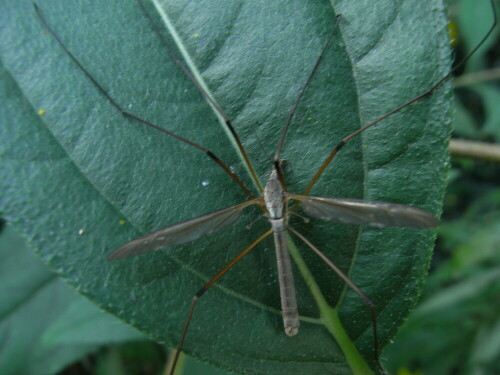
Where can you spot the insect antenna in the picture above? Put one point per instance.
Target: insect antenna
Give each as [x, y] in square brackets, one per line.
[127, 114]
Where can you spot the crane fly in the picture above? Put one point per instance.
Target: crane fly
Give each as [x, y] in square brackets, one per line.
[276, 203]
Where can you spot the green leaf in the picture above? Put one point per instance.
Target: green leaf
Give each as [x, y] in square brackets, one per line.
[42, 316]
[83, 323]
[432, 328]
[460, 290]
[74, 174]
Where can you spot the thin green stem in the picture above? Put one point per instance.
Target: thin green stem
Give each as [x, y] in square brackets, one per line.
[330, 318]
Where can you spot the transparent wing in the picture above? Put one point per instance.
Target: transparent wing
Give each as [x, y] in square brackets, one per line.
[183, 232]
[361, 212]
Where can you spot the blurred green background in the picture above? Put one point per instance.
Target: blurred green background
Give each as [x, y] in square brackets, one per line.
[455, 329]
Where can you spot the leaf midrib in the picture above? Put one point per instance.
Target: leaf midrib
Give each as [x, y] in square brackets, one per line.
[193, 68]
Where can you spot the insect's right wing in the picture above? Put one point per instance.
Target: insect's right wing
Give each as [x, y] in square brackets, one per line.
[182, 232]
[361, 212]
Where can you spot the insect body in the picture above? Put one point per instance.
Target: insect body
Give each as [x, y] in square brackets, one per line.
[275, 200]
[274, 197]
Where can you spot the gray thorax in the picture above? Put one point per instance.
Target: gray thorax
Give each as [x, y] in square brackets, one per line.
[274, 197]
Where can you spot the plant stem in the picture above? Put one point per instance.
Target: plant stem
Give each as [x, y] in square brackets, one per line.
[475, 150]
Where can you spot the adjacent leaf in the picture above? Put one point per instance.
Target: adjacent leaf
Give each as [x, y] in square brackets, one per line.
[45, 326]
[432, 327]
[74, 175]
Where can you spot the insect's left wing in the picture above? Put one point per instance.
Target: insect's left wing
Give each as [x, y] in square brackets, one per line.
[182, 232]
[361, 212]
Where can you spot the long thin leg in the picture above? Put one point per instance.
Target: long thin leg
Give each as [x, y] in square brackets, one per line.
[204, 92]
[341, 144]
[276, 159]
[127, 114]
[204, 289]
[351, 285]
